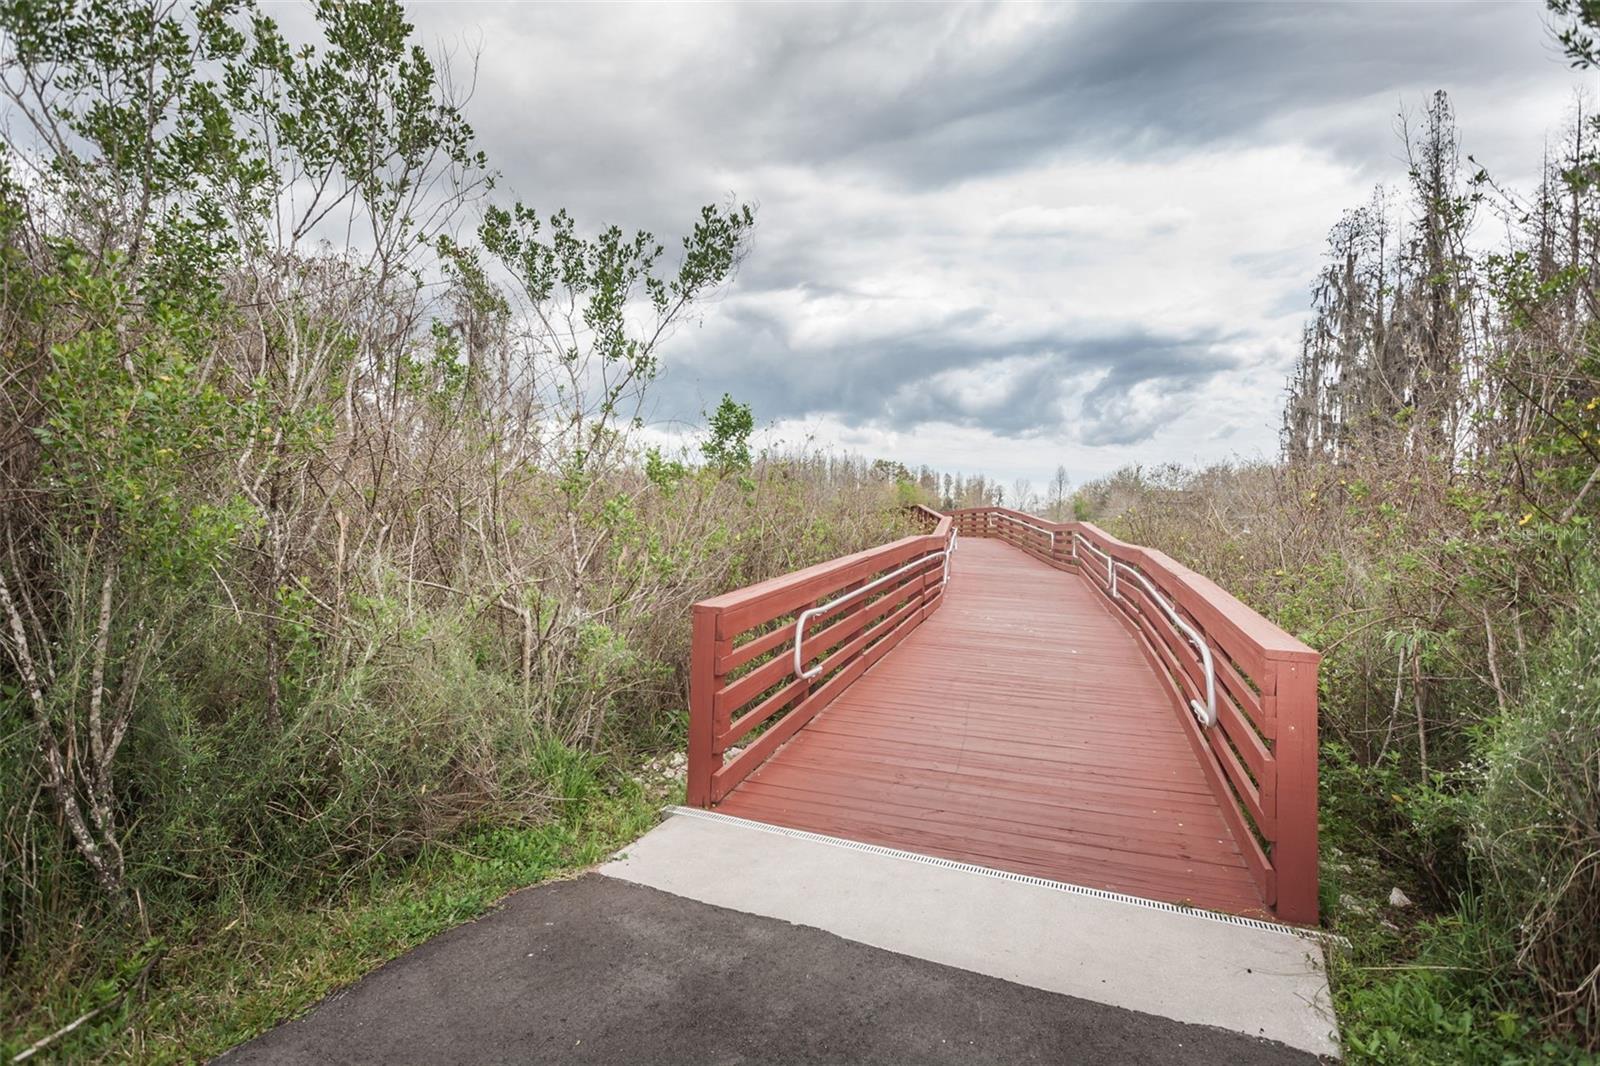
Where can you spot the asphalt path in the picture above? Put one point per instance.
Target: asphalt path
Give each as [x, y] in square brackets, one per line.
[597, 970]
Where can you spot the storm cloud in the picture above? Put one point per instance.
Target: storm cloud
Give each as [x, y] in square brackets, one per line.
[995, 237]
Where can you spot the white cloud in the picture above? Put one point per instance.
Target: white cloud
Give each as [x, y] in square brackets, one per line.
[997, 238]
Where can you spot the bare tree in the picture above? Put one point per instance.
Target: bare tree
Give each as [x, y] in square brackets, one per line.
[1023, 498]
[1057, 496]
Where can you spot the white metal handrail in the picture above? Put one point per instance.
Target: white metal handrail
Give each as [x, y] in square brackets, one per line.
[1038, 529]
[1111, 569]
[833, 604]
[1207, 713]
[949, 553]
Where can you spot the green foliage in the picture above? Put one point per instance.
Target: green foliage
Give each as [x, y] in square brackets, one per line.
[1536, 815]
[728, 447]
[230, 973]
[1440, 1006]
[663, 473]
[596, 280]
[128, 427]
[197, 120]
[1577, 37]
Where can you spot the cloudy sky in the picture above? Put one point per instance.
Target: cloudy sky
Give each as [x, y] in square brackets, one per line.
[996, 238]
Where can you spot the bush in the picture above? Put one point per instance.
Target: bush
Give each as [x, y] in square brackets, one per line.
[1537, 818]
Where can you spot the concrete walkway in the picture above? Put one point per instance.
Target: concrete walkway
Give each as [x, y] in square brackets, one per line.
[715, 942]
[1249, 977]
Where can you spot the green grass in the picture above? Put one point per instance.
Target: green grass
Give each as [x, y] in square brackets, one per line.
[233, 976]
[1424, 989]
[1417, 988]
[1426, 993]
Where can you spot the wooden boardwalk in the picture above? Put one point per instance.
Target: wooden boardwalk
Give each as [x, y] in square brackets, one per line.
[1020, 728]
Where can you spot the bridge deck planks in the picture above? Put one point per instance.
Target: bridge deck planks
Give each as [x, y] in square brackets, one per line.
[1019, 728]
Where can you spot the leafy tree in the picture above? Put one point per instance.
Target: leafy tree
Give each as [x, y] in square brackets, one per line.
[728, 448]
[208, 395]
[1577, 37]
[579, 294]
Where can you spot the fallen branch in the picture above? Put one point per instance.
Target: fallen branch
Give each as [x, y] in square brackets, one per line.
[84, 1019]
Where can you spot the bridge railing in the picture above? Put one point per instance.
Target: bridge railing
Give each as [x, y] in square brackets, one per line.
[1043, 539]
[765, 659]
[1257, 740]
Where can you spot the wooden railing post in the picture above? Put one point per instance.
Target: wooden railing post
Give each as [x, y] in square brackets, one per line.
[703, 759]
[1294, 852]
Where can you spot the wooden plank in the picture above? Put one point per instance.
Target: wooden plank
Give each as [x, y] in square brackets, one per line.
[1041, 767]
[755, 648]
[1172, 881]
[760, 713]
[1140, 857]
[1046, 816]
[1105, 793]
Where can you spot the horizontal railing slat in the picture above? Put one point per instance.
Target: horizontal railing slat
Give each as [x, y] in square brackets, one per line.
[739, 611]
[754, 649]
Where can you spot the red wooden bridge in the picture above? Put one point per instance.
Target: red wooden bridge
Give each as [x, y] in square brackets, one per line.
[1031, 696]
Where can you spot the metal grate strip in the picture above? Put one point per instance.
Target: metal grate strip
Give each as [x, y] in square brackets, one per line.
[1316, 935]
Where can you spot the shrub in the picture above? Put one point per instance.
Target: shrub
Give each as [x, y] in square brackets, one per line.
[1537, 817]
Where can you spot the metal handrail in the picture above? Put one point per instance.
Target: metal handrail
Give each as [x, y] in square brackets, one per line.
[1111, 570]
[1206, 714]
[1039, 529]
[831, 605]
[949, 553]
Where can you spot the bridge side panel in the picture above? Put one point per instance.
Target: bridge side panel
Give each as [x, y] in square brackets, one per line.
[751, 688]
[704, 762]
[1261, 754]
[1295, 852]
